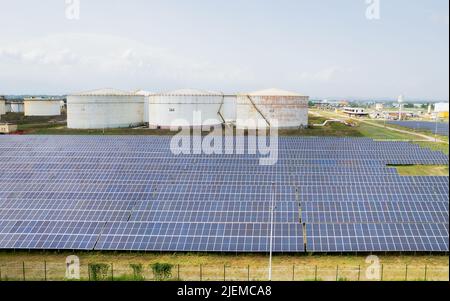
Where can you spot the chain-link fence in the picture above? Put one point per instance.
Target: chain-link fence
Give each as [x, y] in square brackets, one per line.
[43, 271]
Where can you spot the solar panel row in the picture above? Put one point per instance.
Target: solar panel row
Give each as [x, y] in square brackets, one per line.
[132, 193]
[436, 128]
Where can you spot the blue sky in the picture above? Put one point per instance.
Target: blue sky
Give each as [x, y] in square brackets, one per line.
[322, 48]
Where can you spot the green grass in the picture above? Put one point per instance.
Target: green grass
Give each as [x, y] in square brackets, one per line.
[21, 119]
[212, 265]
[419, 131]
[423, 170]
[56, 126]
[376, 132]
[63, 130]
[442, 147]
[379, 133]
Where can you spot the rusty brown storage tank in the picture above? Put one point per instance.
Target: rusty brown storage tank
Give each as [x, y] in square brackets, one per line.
[288, 109]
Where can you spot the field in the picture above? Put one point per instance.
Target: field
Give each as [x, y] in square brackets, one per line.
[423, 170]
[210, 267]
[57, 126]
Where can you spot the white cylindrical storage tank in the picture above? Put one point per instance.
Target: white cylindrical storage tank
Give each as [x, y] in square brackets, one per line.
[106, 108]
[2, 106]
[187, 107]
[228, 110]
[42, 107]
[146, 95]
[289, 109]
[14, 107]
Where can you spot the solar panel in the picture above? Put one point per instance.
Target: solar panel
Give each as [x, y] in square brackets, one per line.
[132, 193]
[377, 237]
[439, 128]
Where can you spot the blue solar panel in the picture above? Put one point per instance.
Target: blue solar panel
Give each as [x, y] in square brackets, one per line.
[132, 193]
[439, 128]
[377, 237]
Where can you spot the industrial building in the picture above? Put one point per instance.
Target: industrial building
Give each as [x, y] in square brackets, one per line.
[379, 107]
[356, 112]
[42, 107]
[186, 107]
[105, 108]
[442, 109]
[2, 105]
[14, 106]
[288, 108]
[7, 128]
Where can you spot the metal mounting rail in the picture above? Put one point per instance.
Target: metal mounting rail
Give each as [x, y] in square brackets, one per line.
[220, 108]
[260, 113]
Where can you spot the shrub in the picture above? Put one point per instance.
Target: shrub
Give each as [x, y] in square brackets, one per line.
[162, 271]
[138, 270]
[98, 271]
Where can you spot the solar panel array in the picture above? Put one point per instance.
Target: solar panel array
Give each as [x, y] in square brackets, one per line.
[134, 194]
[436, 128]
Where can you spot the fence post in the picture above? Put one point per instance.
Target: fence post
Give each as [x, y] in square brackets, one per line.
[293, 272]
[23, 270]
[426, 272]
[45, 270]
[224, 273]
[248, 272]
[89, 271]
[178, 272]
[112, 272]
[359, 273]
[201, 276]
[382, 272]
[406, 275]
[337, 273]
[315, 274]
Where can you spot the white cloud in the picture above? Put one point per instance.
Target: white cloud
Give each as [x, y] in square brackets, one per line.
[97, 57]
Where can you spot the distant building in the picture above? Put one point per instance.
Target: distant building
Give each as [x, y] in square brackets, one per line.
[2, 106]
[356, 112]
[376, 115]
[396, 115]
[379, 107]
[7, 128]
[442, 109]
[344, 103]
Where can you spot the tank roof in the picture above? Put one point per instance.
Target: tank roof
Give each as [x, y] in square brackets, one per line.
[192, 92]
[105, 92]
[274, 92]
[144, 93]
